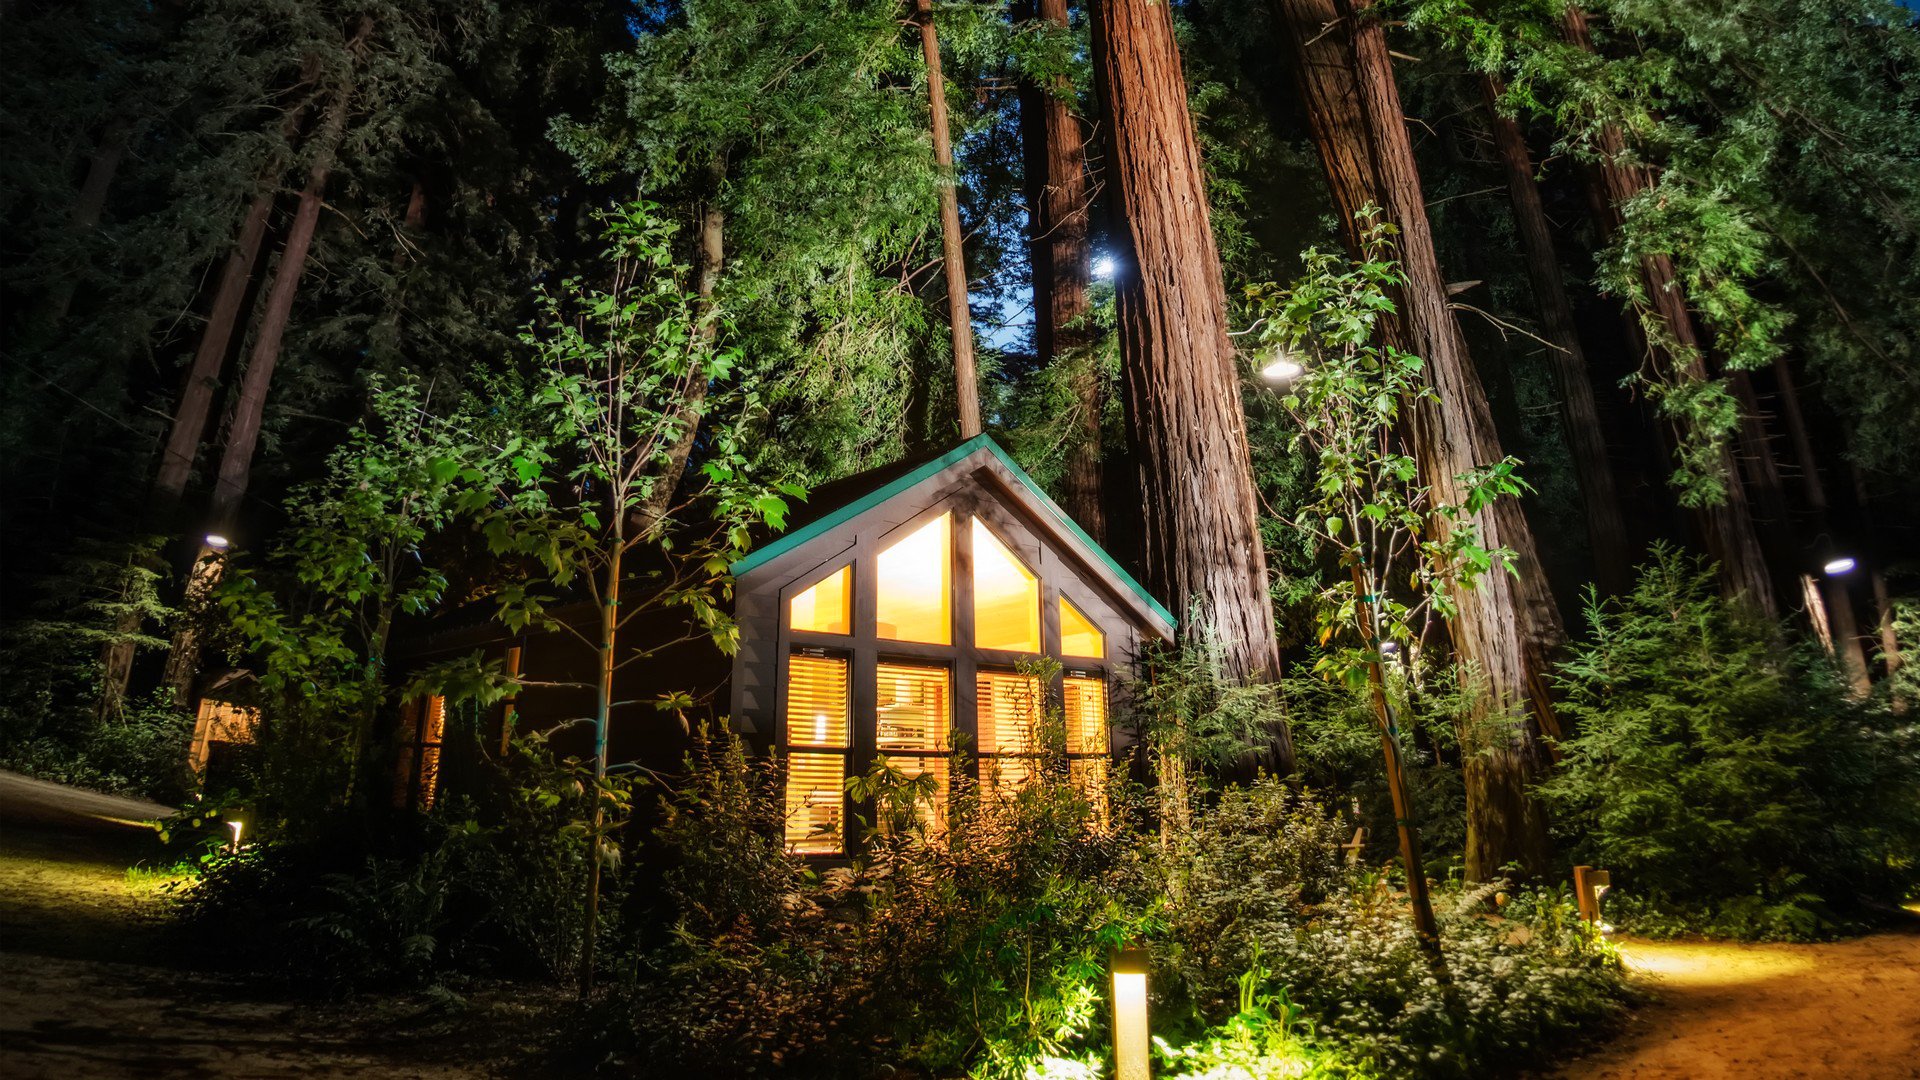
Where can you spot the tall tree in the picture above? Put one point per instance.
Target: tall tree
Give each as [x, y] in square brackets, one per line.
[1505, 630]
[243, 433]
[1579, 410]
[966, 383]
[1059, 198]
[1185, 420]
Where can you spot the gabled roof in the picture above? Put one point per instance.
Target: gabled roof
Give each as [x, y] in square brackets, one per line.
[849, 498]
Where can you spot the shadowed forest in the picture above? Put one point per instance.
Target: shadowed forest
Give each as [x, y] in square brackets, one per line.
[824, 537]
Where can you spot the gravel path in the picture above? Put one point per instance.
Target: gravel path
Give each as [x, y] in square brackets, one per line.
[1844, 1009]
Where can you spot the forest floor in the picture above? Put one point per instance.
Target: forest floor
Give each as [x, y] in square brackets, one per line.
[92, 986]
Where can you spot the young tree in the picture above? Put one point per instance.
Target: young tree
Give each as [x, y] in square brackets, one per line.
[1059, 203]
[1503, 631]
[1371, 511]
[616, 364]
[1185, 419]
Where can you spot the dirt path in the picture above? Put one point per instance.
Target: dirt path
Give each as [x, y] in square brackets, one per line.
[91, 987]
[1846, 1009]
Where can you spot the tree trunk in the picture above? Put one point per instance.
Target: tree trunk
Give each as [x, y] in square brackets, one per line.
[966, 383]
[709, 261]
[1506, 627]
[604, 667]
[1849, 646]
[1184, 415]
[196, 397]
[1058, 199]
[88, 205]
[1727, 529]
[1579, 410]
[243, 435]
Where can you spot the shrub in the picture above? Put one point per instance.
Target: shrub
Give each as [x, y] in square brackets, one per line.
[1723, 773]
[1258, 888]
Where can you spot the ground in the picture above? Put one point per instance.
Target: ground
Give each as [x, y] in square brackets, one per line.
[90, 987]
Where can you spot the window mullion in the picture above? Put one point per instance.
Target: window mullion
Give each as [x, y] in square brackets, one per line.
[966, 663]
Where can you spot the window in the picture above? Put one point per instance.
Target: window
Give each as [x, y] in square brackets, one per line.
[1078, 635]
[914, 708]
[826, 607]
[1086, 708]
[885, 695]
[1009, 706]
[817, 756]
[913, 579]
[1006, 597]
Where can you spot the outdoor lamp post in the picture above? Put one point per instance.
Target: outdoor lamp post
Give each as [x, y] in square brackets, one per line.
[1131, 1040]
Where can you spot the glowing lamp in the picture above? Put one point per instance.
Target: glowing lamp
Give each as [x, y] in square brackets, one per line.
[1842, 565]
[1103, 268]
[1283, 368]
[218, 542]
[238, 827]
[819, 727]
[1131, 1041]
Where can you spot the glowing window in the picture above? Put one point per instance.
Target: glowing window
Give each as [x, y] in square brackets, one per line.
[931, 810]
[433, 731]
[1086, 708]
[1078, 635]
[826, 607]
[815, 810]
[1009, 706]
[913, 586]
[1006, 597]
[1089, 777]
[914, 707]
[1002, 778]
[817, 701]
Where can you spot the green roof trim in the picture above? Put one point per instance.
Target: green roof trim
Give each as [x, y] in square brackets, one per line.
[760, 557]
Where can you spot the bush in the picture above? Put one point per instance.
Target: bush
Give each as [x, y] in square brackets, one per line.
[1723, 773]
[141, 752]
[1258, 888]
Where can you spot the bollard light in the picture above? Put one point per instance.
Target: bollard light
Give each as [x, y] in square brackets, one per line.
[1841, 565]
[238, 827]
[1131, 1039]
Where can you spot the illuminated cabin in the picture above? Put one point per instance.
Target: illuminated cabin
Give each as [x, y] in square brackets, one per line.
[895, 622]
[889, 621]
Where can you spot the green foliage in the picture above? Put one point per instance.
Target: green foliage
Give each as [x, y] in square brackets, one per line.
[1259, 887]
[491, 883]
[1723, 773]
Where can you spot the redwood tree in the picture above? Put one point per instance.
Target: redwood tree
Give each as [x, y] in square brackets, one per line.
[1185, 421]
[1058, 197]
[966, 384]
[1506, 628]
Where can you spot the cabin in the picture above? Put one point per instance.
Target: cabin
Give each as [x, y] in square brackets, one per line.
[896, 619]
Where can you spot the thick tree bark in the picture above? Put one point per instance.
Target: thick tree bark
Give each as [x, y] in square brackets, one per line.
[1579, 410]
[1184, 415]
[1726, 529]
[196, 397]
[1058, 199]
[243, 434]
[1848, 643]
[1507, 627]
[966, 383]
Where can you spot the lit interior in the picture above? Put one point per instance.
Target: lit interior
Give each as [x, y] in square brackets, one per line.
[1086, 708]
[814, 808]
[932, 815]
[826, 607]
[1078, 635]
[914, 706]
[1006, 597]
[1009, 706]
[817, 701]
[913, 586]
[433, 730]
